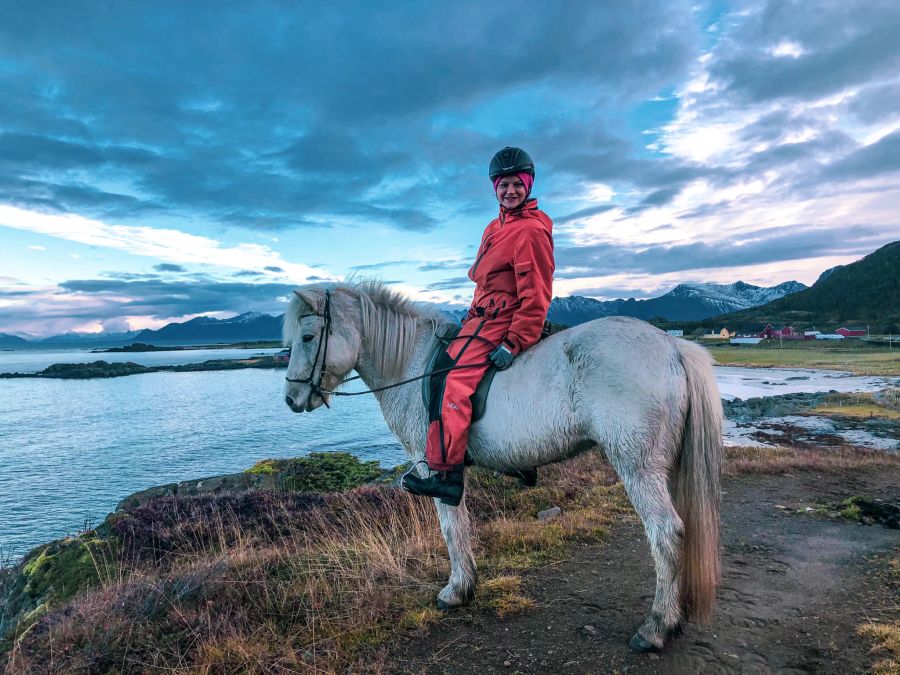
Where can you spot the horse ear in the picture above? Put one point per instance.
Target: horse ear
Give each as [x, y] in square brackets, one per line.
[314, 299]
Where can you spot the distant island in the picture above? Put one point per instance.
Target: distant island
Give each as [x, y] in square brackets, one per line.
[84, 371]
[142, 347]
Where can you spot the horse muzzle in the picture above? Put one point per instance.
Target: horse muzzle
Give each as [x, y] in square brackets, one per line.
[308, 404]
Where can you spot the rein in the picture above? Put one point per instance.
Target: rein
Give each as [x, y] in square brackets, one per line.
[325, 331]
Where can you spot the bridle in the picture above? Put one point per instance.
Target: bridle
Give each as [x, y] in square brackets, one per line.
[325, 331]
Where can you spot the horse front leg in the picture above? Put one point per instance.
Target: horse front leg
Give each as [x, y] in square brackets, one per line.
[457, 531]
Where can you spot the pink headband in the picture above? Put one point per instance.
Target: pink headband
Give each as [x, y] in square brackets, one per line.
[526, 178]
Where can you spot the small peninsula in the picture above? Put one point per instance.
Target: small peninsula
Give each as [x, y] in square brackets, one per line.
[84, 371]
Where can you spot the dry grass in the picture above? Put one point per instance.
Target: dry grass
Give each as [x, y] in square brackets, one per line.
[503, 595]
[862, 360]
[287, 583]
[748, 460]
[884, 404]
[887, 638]
[270, 583]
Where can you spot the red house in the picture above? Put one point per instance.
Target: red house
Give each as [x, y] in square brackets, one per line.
[788, 333]
[851, 332]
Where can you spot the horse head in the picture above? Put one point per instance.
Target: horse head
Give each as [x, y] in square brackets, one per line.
[325, 344]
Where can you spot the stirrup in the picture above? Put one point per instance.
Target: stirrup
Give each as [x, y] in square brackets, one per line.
[448, 490]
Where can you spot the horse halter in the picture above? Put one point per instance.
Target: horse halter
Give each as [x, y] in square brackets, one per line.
[324, 332]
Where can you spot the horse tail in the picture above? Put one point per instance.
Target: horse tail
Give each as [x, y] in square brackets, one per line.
[696, 483]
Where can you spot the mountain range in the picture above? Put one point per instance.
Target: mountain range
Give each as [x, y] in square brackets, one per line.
[863, 293]
[685, 302]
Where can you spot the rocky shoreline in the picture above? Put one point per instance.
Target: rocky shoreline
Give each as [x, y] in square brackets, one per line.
[824, 420]
[84, 371]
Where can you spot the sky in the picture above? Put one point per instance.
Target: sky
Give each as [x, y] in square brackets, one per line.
[164, 160]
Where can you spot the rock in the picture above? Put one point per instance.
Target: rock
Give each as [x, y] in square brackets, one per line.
[589, 629]
[549, 514]
[236, 482]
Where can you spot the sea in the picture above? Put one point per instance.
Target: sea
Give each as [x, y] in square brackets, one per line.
[70, 450]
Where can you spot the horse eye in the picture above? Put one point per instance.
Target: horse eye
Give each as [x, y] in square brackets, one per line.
[308, 338]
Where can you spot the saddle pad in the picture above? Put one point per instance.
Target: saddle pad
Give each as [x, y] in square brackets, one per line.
[432, 387]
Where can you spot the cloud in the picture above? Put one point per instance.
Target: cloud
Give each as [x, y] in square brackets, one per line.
[660, 142]
[444, 265]
[880, 157]
[778, 244]
[379, 266]
[82, 303]
[840, 45]
[243, 128]
[169, 267]
[152, 242]
[449, 284]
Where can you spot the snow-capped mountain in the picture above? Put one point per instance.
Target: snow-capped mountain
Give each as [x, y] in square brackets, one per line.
[685, 302]
[245, 327]
[246, 317]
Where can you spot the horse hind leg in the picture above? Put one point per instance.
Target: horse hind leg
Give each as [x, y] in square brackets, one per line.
[649, 494]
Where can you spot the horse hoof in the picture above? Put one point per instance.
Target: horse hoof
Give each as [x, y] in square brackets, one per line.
[640, 645]
[444, 606]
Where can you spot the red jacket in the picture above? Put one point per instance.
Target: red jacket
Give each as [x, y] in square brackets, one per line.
[514, 273]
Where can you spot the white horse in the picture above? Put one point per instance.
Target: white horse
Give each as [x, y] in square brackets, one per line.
[649, 400]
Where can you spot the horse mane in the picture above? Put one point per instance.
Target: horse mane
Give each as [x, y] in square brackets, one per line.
[390, 321]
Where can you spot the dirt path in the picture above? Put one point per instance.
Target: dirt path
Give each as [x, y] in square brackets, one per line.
[795, 588]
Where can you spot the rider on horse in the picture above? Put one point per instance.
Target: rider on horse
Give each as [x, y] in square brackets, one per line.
[513, 273]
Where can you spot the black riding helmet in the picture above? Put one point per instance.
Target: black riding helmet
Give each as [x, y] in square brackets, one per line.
[510, 160]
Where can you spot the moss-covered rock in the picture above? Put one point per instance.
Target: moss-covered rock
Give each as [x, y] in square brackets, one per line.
[54, 573]
[320, 472]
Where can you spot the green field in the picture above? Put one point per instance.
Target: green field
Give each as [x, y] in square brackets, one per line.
[856, 356]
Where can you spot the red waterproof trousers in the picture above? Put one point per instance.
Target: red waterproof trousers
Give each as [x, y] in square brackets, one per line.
[513, 273]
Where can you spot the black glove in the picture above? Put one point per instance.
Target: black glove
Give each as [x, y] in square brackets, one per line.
[501, 357]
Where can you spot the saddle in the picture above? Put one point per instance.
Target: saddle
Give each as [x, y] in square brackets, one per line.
[438, 359]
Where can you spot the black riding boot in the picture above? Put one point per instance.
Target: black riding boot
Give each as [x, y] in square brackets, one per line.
[445, 485]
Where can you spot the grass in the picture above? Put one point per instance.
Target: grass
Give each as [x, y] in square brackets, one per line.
[883, 404]
[750, 460]
[264, 582]
[272, 582]
[886, 636]
[860, 359]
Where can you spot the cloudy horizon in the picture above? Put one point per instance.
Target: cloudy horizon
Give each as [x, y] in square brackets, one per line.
[167, 160]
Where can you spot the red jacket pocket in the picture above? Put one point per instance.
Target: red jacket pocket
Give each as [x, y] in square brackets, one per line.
[524, 279]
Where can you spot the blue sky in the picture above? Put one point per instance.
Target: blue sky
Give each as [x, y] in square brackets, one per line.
[163, 160]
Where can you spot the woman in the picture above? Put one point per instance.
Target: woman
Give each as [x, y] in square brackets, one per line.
[513, 273]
